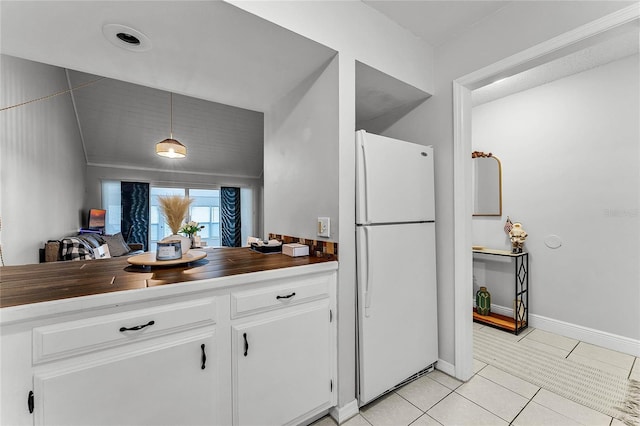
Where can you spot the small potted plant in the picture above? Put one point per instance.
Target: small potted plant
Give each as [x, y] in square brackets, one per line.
[190, 229]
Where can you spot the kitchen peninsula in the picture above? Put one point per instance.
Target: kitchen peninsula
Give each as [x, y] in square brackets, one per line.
[238, 337]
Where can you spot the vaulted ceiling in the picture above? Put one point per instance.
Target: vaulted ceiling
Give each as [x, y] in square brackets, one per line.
[121, 122]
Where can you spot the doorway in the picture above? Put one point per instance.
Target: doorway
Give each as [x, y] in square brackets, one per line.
[462, 88]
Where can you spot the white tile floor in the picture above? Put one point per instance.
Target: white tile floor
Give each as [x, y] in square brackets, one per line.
[493, 397]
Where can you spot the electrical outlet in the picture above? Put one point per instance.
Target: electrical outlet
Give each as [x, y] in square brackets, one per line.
[323, 226]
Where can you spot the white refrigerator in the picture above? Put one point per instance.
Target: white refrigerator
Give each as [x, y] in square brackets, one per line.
[396, 262]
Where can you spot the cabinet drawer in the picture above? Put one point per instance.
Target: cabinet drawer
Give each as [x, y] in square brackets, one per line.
[80, 336]
[278, 296]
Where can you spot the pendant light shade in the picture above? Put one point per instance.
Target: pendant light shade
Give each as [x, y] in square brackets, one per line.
[171, 148]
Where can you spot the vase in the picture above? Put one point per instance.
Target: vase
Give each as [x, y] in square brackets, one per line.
[185, 242]
[483, 301]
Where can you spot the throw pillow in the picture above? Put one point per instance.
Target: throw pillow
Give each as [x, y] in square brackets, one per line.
[117, 246]
[102, 252]
[73, 248]
[90, 240]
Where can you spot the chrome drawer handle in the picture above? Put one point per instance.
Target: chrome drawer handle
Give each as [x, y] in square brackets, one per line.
[137, 327]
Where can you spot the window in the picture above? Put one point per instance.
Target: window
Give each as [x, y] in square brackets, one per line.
[205, 210]
[158, 227]
[111, 202]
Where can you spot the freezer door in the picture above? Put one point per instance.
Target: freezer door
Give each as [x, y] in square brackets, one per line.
[394, 180]
[397, 316]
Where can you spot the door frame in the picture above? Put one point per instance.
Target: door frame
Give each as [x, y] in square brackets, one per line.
[462, 87]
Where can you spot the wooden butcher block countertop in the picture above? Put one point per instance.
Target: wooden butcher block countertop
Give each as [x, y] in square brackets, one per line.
[26, 284]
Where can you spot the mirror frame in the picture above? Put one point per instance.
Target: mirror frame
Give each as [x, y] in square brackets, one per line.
[479, 154]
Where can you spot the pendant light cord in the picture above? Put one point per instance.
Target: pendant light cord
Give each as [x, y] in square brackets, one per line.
[171, 116]
[62, 92]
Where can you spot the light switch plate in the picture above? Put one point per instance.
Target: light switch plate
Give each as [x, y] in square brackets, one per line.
[323, 226]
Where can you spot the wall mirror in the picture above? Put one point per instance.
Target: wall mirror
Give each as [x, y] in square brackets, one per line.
[487, 184]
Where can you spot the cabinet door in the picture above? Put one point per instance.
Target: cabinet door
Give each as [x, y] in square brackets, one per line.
[282, 365]
[164, 384]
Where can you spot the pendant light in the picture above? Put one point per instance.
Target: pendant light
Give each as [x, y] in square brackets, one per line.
[171, 148]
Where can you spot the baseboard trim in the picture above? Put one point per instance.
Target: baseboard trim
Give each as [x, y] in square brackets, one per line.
[344, 413]
[585, 334]
[446, 367]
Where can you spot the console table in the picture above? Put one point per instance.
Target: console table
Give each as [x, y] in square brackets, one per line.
[520, 319]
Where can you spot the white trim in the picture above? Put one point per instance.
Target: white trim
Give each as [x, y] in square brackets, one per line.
[344, 413]
[600, 338]
[446, 367]
[75, 113]
[153, 169]
[463, 276]
[463, 264]
[540, 53]
[604, 339]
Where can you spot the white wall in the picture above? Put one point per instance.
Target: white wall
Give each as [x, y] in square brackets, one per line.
[512, 29]
[41, 158]
[569, 152]
[357, 33]
[306, 147]
[301, 158]
[353, 28]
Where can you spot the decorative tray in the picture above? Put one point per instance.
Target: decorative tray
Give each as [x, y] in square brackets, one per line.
[149, 259]
[266, 249]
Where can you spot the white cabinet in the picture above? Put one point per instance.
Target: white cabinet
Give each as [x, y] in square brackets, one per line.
[283, 351]
[166, 384]
[282, 365]
[149, 366]
[141, 362]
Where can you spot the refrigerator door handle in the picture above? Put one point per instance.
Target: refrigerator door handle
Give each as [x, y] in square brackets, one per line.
[366, 181]
[368, 287]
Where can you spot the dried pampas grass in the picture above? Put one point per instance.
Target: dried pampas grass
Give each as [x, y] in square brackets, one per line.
[174, 208]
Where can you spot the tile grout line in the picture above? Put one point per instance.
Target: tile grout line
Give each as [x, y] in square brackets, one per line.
[551, 345]
[564, 414]
[480, 406]
[425, 411]
[573, 349]
[540, 388]
[365, 419]
[424, 414]
[633, 364]
[504, 387]
[608, 364]
[361, 414]
[525, 406]
[477, 372]
[511, 390]
[525, 334]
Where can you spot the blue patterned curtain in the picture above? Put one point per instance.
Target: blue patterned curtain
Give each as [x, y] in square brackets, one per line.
[230, 217]
[135, 212]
